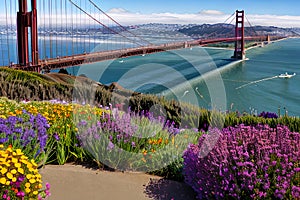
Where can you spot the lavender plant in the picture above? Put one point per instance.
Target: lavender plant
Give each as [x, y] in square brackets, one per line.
[246, 163]
[28, 133]
[268, 115]
[127, 141]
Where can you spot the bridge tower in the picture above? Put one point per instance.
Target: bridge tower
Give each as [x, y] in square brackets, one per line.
[239, 52]
[25, 20]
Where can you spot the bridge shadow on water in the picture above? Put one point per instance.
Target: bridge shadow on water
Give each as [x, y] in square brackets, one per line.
[164, 189]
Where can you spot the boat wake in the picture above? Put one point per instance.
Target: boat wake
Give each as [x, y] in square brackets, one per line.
[257, 81]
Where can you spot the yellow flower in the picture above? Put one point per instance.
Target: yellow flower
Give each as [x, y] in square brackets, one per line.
[35, 192]
[24, 161]
[3, 180]
[28, 176]
[27, 185]
[38, 176]
[21, 170]
[32, 180]
[3, 170]
[27, 190]
[9, 149]
[19, 152]
[17, 165]
[9, 175]
[13, 171]
[33, 163]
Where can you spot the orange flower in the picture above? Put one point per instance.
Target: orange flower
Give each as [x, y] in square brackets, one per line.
[145, 152]
[159, 141]
[18, 112]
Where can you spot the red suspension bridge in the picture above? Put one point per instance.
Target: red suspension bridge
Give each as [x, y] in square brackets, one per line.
[52, 35]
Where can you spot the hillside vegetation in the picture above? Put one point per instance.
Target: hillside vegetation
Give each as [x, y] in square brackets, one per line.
[29, 86]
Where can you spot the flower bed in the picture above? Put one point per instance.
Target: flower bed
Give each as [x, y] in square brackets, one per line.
[246, 163]
[19, 176]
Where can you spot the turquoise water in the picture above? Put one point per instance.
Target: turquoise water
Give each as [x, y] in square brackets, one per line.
[269, 95]
[208, 77]
[183, 75]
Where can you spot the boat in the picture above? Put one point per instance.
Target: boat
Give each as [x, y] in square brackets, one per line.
[286, 75]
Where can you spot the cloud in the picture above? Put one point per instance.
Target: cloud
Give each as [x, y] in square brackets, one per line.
[204, 16]
[211, 12]
[117, 10]
[169, 18]
[275, 20]
[126, 17]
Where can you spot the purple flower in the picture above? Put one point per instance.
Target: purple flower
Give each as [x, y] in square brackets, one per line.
[56, 136]
[21, 178]
[82, 123]
[248, 154]
[296, 192]
[273, 163]
[110, 145]
[133, 144]
[268, 115]
[48, 186]
[20, 194]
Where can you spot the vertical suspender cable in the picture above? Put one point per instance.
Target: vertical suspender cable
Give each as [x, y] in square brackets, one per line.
[72, 29]
[50, 27]
[17, 55]
[67, 33]
[56, 29]
[11, 29]
[89, 32]
[94, 32]
[61, 31]
[44, 49]
[7, 33]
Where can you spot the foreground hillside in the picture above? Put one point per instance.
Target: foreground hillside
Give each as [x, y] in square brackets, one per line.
[29, 86]
[221, 155]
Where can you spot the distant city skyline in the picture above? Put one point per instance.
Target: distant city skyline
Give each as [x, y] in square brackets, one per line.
[131, 12]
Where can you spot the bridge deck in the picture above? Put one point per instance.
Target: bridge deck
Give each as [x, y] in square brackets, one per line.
[75, 60]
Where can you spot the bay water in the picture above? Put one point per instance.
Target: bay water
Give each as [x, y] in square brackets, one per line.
[209, 77]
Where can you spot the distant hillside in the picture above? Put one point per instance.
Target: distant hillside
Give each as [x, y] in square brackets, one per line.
[227, 30]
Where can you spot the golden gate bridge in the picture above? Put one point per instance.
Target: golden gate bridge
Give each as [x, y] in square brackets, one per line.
[43, 30]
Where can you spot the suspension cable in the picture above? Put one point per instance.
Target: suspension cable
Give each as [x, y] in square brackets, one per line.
[251, 27]
[223, 23]
[102, 23]
[122, 27]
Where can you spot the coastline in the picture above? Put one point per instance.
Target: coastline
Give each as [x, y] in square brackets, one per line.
[260, 45]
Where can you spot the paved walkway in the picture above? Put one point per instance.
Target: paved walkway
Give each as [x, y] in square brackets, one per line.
[75, 182]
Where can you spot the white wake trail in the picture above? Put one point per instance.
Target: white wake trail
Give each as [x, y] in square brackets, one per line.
[253, 82]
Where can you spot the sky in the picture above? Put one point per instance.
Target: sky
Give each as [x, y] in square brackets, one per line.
[281, 13]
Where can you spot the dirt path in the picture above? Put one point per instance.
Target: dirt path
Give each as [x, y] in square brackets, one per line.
[75, 182]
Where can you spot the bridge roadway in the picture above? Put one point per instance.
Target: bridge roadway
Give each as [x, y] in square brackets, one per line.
[75, 60]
